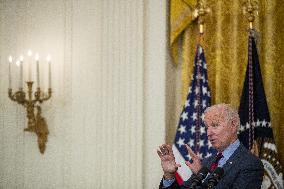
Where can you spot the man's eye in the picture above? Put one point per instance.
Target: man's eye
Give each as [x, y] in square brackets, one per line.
[214, 125]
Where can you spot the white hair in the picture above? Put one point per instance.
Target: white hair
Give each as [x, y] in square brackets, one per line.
[227, 111]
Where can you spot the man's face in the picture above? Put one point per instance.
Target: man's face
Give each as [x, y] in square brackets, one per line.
[221, 133]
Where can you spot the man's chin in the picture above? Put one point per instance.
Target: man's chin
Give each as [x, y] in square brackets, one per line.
[215, 146]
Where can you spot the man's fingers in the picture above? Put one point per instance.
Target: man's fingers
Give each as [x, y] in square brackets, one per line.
[162, 149]
[188, 164]
[159, 153]
[170, 149]
[193, 167]
[191, 153]
[165, 149]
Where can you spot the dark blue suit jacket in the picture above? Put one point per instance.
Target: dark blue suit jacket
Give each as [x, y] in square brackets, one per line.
[242, 170]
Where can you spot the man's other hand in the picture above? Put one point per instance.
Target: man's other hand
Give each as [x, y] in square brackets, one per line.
[168, 162]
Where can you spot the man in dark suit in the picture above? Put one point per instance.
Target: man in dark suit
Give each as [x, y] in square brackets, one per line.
[242, 170]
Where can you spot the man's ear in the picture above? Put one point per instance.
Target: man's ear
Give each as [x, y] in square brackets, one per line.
[234, 123]
[234, 126]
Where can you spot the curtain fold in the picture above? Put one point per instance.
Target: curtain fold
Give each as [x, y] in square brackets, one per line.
[181, 12]
[226, 49]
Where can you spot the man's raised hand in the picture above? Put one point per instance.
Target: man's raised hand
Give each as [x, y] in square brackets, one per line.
[168, 162]
[195, 166]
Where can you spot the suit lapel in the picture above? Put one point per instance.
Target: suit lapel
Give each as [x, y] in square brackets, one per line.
[234, 159]
[230, 163]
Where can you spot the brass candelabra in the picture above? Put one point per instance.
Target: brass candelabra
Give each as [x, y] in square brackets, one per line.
[36, 123]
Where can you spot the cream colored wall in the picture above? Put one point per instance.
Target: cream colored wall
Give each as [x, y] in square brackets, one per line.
[107, 114]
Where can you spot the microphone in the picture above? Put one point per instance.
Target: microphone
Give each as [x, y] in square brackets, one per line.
[215, 177]
[197, 179]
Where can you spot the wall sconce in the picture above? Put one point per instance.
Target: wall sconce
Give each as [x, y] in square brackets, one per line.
[32, 100]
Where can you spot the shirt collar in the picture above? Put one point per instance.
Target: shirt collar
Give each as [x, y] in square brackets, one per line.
[230, 149]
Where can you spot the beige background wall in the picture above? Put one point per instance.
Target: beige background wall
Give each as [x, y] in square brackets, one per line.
[107, 113]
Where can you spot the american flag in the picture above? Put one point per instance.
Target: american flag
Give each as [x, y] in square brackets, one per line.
[191, 129]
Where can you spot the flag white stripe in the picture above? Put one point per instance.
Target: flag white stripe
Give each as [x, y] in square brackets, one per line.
[183, 171]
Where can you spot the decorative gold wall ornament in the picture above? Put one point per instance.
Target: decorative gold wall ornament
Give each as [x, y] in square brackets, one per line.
[31, 100]
[200, 12]
[36, 123]
[250, 8]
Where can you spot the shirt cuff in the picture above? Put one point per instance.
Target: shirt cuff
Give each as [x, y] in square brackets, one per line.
[167, 183]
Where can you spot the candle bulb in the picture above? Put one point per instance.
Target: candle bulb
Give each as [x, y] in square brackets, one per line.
[49, 71]
[30, 53]
[18, 63]
[37, 70]
[10, 77]
[21, 71]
